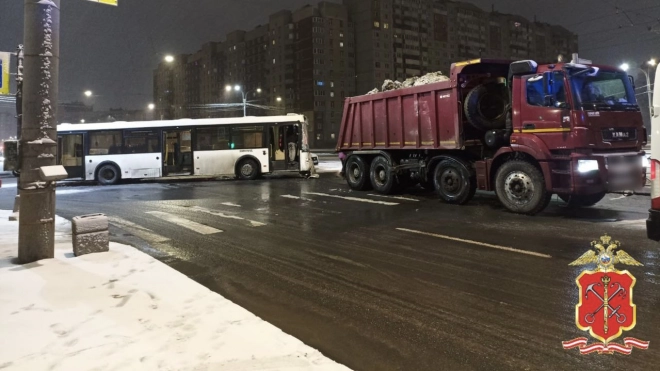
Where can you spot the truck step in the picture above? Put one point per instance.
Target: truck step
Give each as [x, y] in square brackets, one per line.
[561, 172]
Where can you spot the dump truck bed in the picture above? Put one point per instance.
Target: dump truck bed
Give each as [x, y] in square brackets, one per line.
[421, 117]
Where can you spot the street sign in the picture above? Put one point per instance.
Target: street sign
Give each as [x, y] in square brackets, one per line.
[107, 2]
[5, 59]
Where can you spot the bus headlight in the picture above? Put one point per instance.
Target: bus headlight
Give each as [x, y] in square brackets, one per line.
[586, 166]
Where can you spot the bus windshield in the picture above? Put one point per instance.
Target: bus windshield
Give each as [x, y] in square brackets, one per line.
[602, 90]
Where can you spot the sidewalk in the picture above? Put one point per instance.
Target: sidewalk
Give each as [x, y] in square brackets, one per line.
[124, 310]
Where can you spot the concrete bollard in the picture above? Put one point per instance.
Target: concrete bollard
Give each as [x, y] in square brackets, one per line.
[90, 234]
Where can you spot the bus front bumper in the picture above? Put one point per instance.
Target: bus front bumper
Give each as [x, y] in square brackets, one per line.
[653, 225]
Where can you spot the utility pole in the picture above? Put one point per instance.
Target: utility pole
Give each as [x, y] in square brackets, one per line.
[38, 141]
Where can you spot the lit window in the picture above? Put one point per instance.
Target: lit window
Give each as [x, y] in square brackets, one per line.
[341, 44]
[377, 24]
[273, 60]
[386, 25]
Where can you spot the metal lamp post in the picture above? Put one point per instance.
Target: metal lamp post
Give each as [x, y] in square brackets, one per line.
[239, 89]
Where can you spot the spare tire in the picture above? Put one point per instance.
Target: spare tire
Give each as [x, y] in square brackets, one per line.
[486, 106]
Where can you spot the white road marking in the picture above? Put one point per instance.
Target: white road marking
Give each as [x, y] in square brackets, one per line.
[138, 230]
[231, 204]
[633, 222]
[298, 198]
[618, 198]
[510, 249]
[223, 215]
[193, 226]
[395, 197]
[353, 199]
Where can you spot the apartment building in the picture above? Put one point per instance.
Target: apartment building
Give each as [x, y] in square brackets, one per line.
[396, 39]
[308, 60]
[300, 61]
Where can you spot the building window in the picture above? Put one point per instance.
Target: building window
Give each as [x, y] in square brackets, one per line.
[274, 61]
[341, 44]
[386, 25]
[376, 24]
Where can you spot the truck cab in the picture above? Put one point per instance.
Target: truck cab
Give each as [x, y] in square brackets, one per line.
[582, 123]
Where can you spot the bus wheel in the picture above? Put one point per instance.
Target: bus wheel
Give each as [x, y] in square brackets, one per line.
[454, 183]
[521, 187]
[248, 169]
[575, 201]
[382, 178]
[108, 175]
[357, 173]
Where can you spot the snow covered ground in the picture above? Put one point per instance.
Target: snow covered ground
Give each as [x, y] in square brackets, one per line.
[124, 310]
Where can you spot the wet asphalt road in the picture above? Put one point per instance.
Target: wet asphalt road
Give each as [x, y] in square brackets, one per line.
[373, 282]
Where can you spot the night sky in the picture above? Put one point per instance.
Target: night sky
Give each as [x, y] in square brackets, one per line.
[113, 50]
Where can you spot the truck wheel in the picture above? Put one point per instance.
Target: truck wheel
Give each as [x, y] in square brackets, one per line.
[521, 187]
[108, 175]
[454, 183]
[247, 169]
[357, 173]
[486, 106]
[576, 201]
[383, 179]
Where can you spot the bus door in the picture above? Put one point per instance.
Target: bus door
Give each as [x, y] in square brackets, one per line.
[177, 152]
[284, 147]
[70, 154]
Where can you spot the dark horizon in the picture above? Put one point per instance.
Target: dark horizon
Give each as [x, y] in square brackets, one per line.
[129, 41]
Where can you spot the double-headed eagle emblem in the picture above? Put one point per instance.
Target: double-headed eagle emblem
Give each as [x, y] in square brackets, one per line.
[604, 255]
[605, 308]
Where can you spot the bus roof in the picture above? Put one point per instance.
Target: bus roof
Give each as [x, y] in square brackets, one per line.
[183, 122]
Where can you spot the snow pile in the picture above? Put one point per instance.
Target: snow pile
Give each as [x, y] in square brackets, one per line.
[429, 78]
[124, 310]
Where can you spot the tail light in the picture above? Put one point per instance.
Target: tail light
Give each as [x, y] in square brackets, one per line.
[655, 184]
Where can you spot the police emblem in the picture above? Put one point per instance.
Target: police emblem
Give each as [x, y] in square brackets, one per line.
[605, 308]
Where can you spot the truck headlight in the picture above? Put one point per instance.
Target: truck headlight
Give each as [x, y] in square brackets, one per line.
[646, 162]
[586, 166]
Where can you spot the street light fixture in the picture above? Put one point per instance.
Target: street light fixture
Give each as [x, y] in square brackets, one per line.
[169, 58]
[238, 88]
[88, 93]
[652, 62]
[279, 99]
[151, 106]
[625, 66]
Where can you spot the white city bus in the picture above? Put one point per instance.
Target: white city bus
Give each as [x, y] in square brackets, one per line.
[245, 147]
[653, 223]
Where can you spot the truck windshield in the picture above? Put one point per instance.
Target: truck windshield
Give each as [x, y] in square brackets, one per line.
[604, 90]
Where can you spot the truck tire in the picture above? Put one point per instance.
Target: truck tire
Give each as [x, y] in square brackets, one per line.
[577, 201]
[383, 179]
[357, 173]
[520, 187]
[247, 169]
[108, 174]
[486, 106]
[454, 182]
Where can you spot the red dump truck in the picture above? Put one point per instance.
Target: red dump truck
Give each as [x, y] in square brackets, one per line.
[524, 130]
